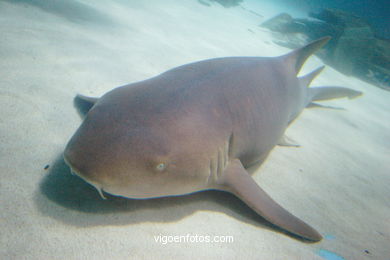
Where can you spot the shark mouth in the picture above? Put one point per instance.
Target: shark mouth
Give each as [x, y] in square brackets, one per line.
[95, 185]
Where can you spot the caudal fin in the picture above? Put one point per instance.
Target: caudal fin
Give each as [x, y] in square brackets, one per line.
[326, 93]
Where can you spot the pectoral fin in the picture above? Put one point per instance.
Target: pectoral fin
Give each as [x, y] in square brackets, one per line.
[236, 180]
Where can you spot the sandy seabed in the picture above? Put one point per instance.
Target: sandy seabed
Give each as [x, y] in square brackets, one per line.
[338, 181]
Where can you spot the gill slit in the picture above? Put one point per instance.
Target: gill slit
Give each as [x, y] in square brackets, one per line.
[219, 162]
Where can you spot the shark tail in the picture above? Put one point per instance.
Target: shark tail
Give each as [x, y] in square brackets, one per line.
[331, 92]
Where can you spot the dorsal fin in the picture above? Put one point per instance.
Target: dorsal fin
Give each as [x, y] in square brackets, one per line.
[297, 57]
[83, 104]
[90, 100]
[308, 78]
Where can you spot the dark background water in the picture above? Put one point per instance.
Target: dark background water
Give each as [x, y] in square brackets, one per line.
[376, 12]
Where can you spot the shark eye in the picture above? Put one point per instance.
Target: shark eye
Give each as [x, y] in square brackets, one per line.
[161, 166]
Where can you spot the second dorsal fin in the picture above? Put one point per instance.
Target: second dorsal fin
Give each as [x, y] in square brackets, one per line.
[308, 78]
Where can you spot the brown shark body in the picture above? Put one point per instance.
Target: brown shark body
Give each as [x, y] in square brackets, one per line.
[198, 127]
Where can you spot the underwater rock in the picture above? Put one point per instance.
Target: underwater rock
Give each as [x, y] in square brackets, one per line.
[204, 3]
[292, 41]
[279, 23]
[339, 18]
[378, 66]
[353, 50]
[228, 3]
